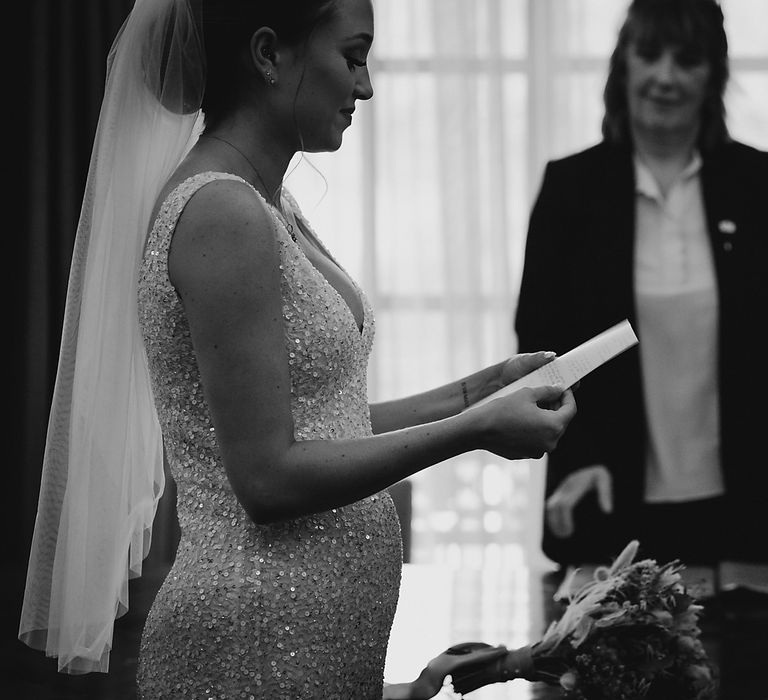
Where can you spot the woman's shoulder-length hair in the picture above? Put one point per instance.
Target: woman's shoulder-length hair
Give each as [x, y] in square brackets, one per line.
[695, 27]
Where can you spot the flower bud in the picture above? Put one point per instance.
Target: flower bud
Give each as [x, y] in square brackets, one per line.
[686, 643]
[698, 672]
[568, 680]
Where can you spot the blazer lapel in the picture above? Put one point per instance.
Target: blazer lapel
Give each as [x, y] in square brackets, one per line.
[722, 224]
[618, 187]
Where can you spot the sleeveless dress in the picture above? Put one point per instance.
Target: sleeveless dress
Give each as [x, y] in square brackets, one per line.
[296, 609]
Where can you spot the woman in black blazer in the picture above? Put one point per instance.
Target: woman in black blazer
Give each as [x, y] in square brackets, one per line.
[665, 222]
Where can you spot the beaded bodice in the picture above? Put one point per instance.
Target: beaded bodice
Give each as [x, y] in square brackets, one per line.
[283, 586]
[327, 353]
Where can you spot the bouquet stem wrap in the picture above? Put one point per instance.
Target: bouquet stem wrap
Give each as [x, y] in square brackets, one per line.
[516, 663]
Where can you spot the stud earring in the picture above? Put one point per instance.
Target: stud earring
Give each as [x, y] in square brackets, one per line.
[268, 77]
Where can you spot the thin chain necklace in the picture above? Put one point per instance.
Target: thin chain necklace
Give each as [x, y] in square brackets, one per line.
[283, 219]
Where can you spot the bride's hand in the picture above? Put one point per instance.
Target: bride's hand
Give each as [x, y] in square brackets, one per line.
[520, 365]
[525, 424]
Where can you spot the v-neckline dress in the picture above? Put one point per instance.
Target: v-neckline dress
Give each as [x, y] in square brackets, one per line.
[296, 609]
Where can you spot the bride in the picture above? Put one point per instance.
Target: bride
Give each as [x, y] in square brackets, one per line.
[206, 321]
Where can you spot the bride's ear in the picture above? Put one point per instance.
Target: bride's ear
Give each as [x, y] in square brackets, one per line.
[264, 54]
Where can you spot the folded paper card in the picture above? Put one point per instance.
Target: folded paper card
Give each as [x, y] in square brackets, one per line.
[569, 368]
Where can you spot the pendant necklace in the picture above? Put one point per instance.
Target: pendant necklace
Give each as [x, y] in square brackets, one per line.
[283, 219]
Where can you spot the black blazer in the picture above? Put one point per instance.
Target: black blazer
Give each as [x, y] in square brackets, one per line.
[578, 281]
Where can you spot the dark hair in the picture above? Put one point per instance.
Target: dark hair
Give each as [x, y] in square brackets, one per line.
[692, 25]
[227, 28]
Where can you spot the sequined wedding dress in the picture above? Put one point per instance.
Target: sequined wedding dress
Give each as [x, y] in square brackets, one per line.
[299, 609]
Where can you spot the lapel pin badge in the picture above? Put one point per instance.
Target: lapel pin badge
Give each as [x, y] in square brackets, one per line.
[726, 226]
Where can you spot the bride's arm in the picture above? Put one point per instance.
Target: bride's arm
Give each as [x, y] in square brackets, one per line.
[450, 399]
[225, 265]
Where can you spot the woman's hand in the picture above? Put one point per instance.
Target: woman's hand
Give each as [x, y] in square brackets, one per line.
[495, 377]
[525, 424]
[520, 365]
[560, 505]
[432, 677]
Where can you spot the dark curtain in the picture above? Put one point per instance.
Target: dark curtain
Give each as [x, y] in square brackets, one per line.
[59, 64]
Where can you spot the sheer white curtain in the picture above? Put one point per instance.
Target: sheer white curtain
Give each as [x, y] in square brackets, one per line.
[426, 205]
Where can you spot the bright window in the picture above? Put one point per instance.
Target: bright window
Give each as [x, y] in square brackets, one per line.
[427, 204]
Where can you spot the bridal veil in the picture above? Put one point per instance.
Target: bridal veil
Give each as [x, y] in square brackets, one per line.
[103, 463]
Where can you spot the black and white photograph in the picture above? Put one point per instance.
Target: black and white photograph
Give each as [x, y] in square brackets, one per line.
[387, 350]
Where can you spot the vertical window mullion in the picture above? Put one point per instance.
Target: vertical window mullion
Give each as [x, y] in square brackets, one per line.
[540, 90]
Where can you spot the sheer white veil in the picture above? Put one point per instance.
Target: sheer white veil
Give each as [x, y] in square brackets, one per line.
[103, 463]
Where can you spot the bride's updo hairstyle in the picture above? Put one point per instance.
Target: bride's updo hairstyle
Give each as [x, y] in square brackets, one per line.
[228, 26]
[695, 29]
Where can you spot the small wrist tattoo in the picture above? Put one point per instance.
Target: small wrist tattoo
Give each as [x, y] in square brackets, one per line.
[465, 394]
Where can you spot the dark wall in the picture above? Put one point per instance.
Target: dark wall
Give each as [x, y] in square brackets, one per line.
[55, 77]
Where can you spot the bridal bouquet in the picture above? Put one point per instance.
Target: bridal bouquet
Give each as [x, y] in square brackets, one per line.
[630, 633]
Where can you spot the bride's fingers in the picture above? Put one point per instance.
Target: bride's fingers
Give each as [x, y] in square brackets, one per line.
[520, 365]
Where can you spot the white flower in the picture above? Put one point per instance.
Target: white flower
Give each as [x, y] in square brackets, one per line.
[568, 680]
